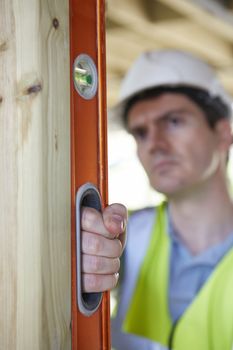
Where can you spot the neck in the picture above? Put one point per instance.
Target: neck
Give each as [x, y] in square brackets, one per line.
[203, 217]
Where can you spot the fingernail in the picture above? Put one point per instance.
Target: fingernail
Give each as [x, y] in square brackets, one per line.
[118, 219]
[123, 225]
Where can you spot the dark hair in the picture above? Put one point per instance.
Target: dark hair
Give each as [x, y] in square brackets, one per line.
[213, 107]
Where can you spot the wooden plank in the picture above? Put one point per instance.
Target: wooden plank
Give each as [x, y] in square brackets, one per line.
[35, 175]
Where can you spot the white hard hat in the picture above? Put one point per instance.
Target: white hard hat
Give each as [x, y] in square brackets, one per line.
[171, 68]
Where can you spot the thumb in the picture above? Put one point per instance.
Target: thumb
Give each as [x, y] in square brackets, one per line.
[115, 218]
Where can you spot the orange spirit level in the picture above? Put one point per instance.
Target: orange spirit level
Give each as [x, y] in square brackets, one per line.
[90, 330]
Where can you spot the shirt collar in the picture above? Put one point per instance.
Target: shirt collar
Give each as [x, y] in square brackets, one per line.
[211, 256]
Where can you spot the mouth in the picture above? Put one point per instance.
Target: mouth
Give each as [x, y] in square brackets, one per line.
[163, 165]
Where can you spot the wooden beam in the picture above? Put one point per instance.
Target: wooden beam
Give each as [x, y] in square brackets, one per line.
[133, 34]
[121, 40]
[217, 52]
[221, 25]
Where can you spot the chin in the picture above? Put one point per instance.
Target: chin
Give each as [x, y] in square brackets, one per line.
[168, 189]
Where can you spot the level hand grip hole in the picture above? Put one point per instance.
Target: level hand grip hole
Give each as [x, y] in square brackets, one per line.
[87, 196]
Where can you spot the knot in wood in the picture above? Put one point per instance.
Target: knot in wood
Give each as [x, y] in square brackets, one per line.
[34, 89]
[55, 23]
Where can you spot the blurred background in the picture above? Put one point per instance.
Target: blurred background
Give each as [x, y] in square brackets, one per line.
[203, 27]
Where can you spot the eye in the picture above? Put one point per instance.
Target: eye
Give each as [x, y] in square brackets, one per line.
[139, 133]
[173, 121]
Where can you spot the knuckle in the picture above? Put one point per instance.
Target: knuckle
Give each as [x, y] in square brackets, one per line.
[89, 217]
[97, 244]
[84, 215]
[93, 244]
[118, 247]
[118, 209]
[96, 282]
[93, 215]
[117, 265]
[96, 264]
[91, 283]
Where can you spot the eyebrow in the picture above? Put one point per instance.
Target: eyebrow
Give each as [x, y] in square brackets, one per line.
[162, 116]
[173, 111]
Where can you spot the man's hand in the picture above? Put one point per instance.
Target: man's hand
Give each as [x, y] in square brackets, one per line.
[103, 240]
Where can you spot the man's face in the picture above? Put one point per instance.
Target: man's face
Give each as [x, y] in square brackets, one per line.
[175, 145]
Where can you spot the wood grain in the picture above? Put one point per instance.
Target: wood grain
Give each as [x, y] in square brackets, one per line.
[35, 175]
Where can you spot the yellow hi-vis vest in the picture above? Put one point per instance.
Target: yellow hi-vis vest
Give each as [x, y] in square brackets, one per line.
[207, 324]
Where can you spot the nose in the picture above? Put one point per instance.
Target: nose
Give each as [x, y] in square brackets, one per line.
[156, 140]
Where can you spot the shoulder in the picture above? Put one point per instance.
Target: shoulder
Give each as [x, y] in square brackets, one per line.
[140, 226]
[141, 215]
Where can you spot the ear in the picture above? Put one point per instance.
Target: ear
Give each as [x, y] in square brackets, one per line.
[224, 132]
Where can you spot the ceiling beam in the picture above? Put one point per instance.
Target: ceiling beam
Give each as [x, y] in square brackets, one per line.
[134, 33]
[173, 34]
[207, 14]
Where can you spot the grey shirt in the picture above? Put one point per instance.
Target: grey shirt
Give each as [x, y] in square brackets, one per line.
[188, 273]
